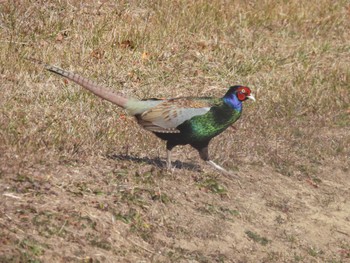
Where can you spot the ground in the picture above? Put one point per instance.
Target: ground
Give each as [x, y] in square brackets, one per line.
[80, 181]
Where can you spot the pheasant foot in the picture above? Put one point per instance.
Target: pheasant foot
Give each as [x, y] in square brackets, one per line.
[222, 170]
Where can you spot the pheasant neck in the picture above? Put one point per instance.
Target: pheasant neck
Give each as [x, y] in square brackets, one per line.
[233, 102]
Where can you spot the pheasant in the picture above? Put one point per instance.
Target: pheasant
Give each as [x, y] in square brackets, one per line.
[178, 121]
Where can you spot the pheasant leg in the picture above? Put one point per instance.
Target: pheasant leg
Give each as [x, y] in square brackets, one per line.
[168, 159]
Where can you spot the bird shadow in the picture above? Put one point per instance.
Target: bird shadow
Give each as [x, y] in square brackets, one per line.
[155, 161]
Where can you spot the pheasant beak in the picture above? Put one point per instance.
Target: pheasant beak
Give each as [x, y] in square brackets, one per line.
[251, 97]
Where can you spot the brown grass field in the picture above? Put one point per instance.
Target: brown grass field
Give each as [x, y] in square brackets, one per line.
[81, 182]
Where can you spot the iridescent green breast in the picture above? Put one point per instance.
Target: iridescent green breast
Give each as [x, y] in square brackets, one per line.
[209, 125]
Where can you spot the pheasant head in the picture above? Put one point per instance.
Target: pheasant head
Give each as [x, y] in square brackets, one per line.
[236, 94]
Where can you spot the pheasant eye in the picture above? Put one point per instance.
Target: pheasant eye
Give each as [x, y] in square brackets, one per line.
[243, 91]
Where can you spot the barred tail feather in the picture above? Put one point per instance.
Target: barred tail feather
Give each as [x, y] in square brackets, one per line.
[90, 85]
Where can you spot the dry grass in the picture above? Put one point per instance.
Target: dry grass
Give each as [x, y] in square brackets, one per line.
[82, 182]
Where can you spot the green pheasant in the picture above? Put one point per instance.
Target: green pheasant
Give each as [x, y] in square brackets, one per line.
[178, 121]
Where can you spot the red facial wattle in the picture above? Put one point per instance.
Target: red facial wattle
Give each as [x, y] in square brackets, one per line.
[241, 96]
[243, 93]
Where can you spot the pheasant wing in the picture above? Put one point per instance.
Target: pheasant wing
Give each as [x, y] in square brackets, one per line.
[168, 115]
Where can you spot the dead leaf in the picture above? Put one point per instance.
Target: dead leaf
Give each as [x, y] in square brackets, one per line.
[98, 53]
[145, 56]
[59, 37]
[127, 44]
[202, 45]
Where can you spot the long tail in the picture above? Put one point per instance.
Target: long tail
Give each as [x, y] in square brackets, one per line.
[91, 86]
